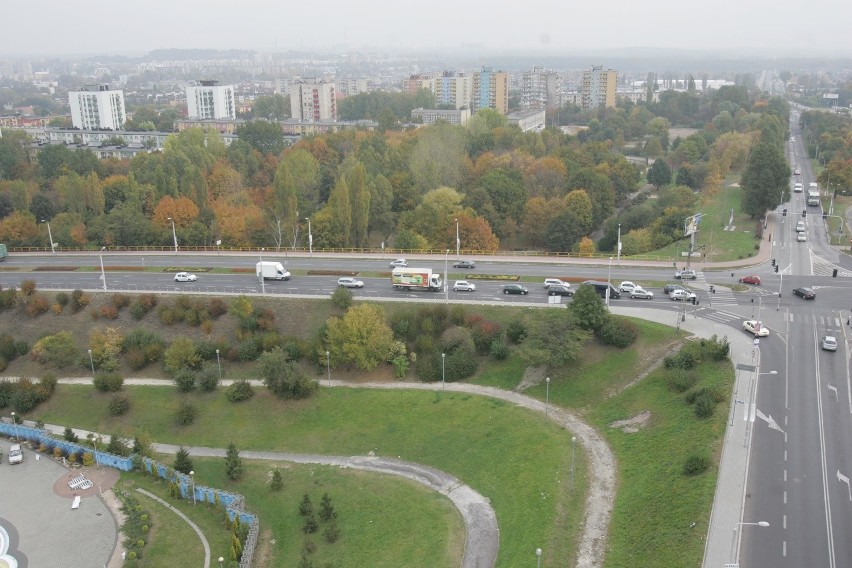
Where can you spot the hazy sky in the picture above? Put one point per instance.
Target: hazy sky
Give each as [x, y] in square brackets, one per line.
[112, 27]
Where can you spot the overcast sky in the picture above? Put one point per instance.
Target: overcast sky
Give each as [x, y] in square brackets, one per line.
[121, 27]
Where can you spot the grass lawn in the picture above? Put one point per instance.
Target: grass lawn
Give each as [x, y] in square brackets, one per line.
[516, 458]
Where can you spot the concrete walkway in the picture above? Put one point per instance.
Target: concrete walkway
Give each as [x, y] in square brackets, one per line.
[185, 518]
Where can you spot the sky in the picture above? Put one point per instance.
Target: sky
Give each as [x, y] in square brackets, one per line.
[60, 27]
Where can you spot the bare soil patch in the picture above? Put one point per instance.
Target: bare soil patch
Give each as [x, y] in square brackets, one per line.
[634, 424]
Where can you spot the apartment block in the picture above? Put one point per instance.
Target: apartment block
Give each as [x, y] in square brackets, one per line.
[349, 86]
[414, 83]
[211, 101]
[598, 88]
[491, 90]
[97, 107]
[313, 101]
[541, 88]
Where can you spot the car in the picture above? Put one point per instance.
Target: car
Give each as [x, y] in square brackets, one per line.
[554, 281]
[348, 282]
[797, 171]
[802, 237]
[750, 279]
[804, 293]
[755, 328]
[515, 289]
[798, 188]
[464, 286]
[15, 454]
[399, 263]
[800, 227]
[185, 277]
[642, 294]
[829, 343]
[465, 264]
[685, 274]
[669, 288]
[560, 290]
[626, 286]
[682, 295]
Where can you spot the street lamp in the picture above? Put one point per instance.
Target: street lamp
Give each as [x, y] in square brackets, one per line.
[103, 274]
[538, 557]
[221, 560]
[15, 425]
[328, 366]
[310, 237]
[458, 242]
[735, 549]
[192, 479]
[618, 247]
[92, 363]
[443, 370]
[50, 236]
[174, 233]
[262, 279]
[547, 395]
[446, 278]
[573, 442]
[608, 281]
[219, 364]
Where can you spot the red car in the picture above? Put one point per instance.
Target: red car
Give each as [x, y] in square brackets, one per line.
[755, 280]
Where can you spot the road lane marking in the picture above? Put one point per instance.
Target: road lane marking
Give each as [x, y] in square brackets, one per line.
[823, 464]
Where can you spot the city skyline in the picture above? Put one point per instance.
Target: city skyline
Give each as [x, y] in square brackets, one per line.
[542, 25]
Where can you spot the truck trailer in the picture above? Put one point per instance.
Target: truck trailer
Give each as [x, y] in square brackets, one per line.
[416, 279]
[271, 271]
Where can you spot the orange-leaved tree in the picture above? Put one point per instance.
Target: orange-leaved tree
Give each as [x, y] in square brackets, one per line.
[182, 210]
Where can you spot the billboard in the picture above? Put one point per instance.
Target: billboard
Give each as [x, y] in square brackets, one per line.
[690, 225]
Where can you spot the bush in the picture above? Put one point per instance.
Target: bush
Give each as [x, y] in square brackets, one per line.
[28, 287]
[239, 391]
[109, 312]
[185, 380]
[696, 464]
[457, 338]
[208, 378]
[460, 365]
[484, 333]
[516, 331]
[186, 413]
[277, 483]
[62, 298]
[682, 360]
[120, 301]
[499, 350]
[284, 378]
[79, 300]
[217, 307]
[181, 354]
[248, 349]
[108, 381]
[680, 380]
[37, 305]
[70, 436]
[119, 405]
[58, 350]
[705, 404]
[342, 298]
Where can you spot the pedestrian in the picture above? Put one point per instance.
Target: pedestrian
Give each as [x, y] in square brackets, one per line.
[849, 320]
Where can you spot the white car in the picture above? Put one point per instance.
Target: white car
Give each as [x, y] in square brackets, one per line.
[185, 277]
[348, 282]
[802, 237]
[682, 295]
[800, 227]
[399, 263]
[755, 328]
[829, 343]
[548, 282]
[641, 294]
[626, 286]
[464, 286]
[15, 454]
[798, 188]
[686, 274]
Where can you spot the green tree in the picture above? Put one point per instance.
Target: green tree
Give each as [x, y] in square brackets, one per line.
[271, 107]
[659, 174]
[277, 483]
[766, 179]
[181, 354]
[564, 231]
[57, 350]
[265, 137]
[233, 463]
[183, 463]
[340, 204]
[588, 310]
[360, 205]
[361, 337]
[282, 377]
[553, 338]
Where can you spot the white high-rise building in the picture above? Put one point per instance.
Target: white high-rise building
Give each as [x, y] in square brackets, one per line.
[97, 107]
[211, 101]
[313, 101]
[541, 88]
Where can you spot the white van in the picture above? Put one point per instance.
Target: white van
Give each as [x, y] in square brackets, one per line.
[15, 454]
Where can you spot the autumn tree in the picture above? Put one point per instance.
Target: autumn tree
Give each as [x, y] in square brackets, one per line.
[360, 338]
[538, 214]
[19, 229]
[360, 205]
[285, 203]
[475, 234]
[546, 177]
[182, 211]
[340, 205]
[579, 203]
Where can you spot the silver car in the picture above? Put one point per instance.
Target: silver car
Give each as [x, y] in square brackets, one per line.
[829, 343]
[348, 282]
[464, 286]
[641, 294]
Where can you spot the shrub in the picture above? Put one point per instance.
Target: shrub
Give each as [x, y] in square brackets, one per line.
[58, 350]
[306, 508]
[79, 300]
[342, 298]
[116, 446]
[248, 350]
[208, 378]
[136, 358]
[484, 334]
[618, 332]
[400, 366]
[185, 380]
[460, 364]
[680, 380]
[28, 287]
[217, 307]
[332, 531]
[682, 360]
[48, 383]
[62, 298]
[56, 309]
[516, 331]
[283, 377]
[181, 355]
[88, 459]
[183, 463]
[37, 305]
[705, 404]
[108, 381]
[457, 338]
[70, 436]
[233, 463]
[239, 391]
[186, 413]
[137, 311]
[428, 367]
[499, 349]
[696, 464]
[109, 312]
[277, 484]
[120, 301]
[119, 405]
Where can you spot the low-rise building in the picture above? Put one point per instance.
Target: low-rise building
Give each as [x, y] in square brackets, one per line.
[531, 120]
[430, 115]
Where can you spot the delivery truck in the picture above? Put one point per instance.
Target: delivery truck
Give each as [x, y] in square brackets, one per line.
[416, 279]
[271, 271]
[813, 197]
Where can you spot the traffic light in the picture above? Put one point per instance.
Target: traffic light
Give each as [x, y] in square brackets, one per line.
[773, 262]
[776, 268]
[804, 212]
[784, 213]
[825, 215]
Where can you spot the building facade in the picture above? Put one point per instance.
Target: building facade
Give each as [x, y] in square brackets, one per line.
[97, 107]
[530, 120]
[211, 101]
[598, 88]
[541, 88]
[453, 89]
[349, 86]
[313, 101]
[491, 90]
[457, 117]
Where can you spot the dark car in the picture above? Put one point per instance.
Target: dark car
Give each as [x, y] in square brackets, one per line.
[465, 264]
[754, 280]
[805, 293]
[559, 290]
[515, 289]
[671, 288]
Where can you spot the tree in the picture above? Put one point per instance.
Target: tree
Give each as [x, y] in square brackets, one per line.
[361, 337]
[564, 231]
[659, 174]
[183, 463]
[588, 309]
[766, 179]
[181, 354]
[277, 483]
[360, 205]
[265, 137]
[233, 463]
[553, 338]
[271, 107]
[340, 204]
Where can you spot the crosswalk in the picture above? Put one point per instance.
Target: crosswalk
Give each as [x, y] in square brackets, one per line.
[822, 267]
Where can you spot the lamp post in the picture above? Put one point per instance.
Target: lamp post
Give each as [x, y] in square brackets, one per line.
[219, 364]
[443, 370]
[446, 278]
[262, 279]
[547, 395]
[103, 274]
[310, 237]
[618, 247]
[50, 236]
[15, 425]
[735, 549]
[92, 363]
[538, 557]
[174, 233]
[95, 445]
[221, 562]
[458, 242]
[573, 443]
[192, 480]
[328, 366]
[608, 281]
